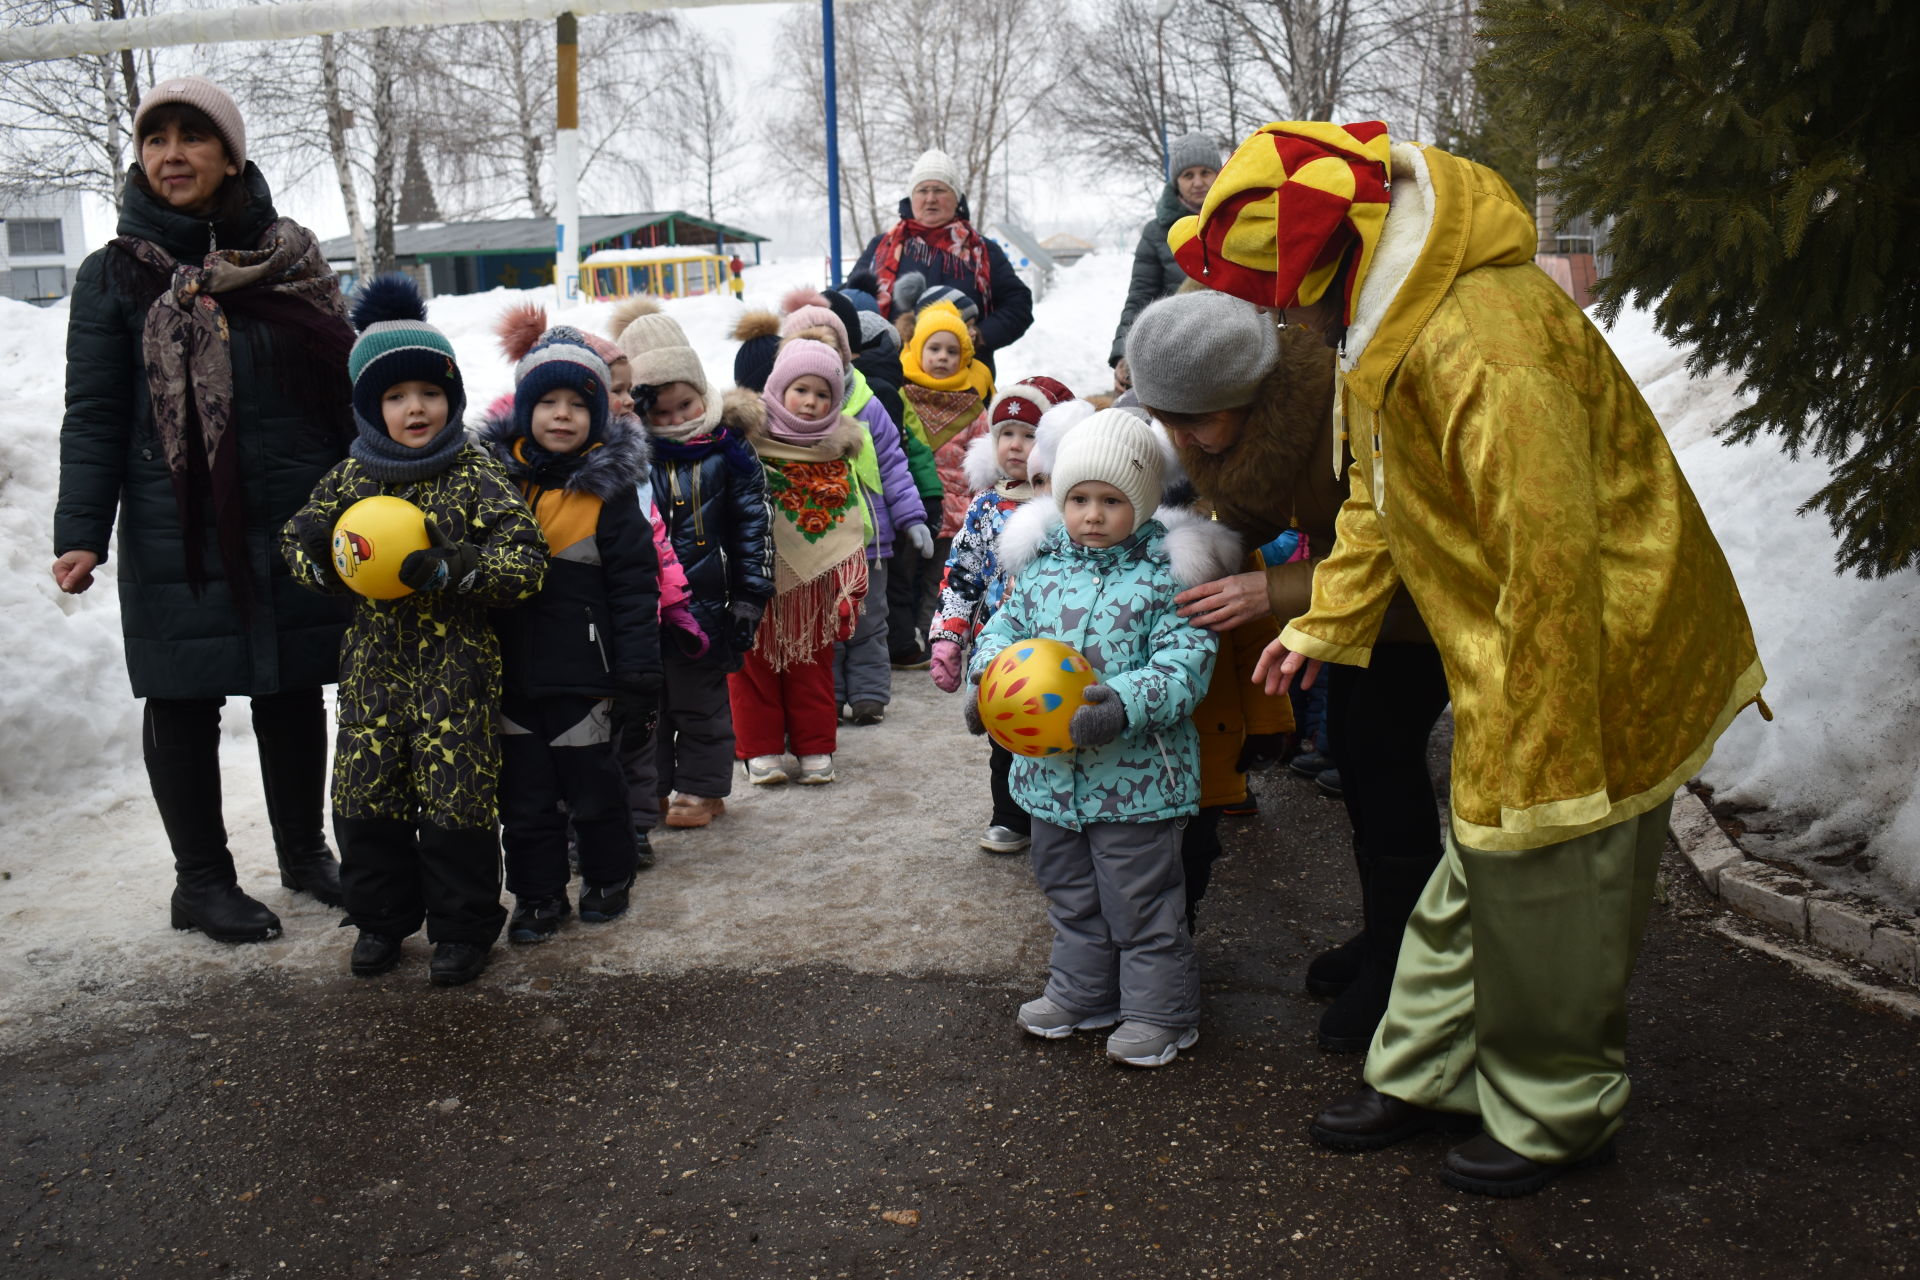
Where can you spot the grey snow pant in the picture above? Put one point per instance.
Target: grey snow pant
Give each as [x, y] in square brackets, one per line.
[695, 734]
[1117, 898]
[861, 669]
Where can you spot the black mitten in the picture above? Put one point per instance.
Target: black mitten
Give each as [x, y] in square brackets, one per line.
[745, 624]
[636, 707]
[1262, 749]
[444, 565]
[315, 537]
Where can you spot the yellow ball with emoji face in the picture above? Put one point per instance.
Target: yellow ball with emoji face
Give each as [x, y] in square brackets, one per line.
[371, 539]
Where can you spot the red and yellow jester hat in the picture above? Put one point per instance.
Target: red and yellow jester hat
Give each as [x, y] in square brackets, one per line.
[1294, 203]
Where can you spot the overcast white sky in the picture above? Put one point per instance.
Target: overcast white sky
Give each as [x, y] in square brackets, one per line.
[1049, 197]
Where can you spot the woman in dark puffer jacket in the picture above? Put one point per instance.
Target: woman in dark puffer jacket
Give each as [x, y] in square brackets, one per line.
[206, 393]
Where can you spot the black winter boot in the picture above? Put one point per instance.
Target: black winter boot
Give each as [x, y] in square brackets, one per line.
[181, 744]
[1333, 971]
[1393, 887]
[291, 731]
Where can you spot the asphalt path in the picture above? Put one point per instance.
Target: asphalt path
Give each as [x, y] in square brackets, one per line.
[815, 1120]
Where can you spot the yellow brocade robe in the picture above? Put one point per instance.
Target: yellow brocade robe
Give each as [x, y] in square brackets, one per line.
[1509, 473]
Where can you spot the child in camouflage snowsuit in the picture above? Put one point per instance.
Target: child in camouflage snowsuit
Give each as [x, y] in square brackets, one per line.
[1108, 815]
[417, 761]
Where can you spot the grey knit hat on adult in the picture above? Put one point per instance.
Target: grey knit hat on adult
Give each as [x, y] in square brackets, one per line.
[1199, 352]
[1193, 151]
[1118, 448]
[206, 97]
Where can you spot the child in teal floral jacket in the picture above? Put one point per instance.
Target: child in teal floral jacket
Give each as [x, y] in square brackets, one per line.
[1108, 815]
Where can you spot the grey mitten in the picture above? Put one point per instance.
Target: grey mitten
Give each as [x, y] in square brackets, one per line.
[1101, 720]
[971, 709]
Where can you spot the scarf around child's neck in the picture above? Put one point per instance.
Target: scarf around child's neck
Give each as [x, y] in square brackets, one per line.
[390, 462]
[789, 428]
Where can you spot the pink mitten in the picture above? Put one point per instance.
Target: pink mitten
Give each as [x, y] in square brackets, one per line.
[681, 619]
[946, 665]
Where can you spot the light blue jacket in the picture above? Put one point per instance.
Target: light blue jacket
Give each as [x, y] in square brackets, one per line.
[1115, 605]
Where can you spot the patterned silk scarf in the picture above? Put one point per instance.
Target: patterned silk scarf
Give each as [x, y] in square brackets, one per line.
[187, 348]
[911, 245]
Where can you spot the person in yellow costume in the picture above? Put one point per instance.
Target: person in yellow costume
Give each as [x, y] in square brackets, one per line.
[1508, 473]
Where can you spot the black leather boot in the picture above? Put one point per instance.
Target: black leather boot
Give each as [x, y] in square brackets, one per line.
[1369, 1120]
[291, 731]
[1393, 887]
[181, 744]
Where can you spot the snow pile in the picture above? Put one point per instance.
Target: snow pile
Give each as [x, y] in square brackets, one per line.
[72, 729]
[1839, 767]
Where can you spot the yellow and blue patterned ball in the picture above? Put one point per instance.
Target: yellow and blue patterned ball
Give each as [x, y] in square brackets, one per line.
[1029, 693]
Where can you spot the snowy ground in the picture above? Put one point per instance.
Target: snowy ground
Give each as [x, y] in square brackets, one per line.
[86, 872]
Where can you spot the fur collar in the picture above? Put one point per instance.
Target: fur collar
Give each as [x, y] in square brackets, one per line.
[1198, 549]
[1292, 409]
[980, 466]
[1409, 220]
[842, 439]
[617, 464]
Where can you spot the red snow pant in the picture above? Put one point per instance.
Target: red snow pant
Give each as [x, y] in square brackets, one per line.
[772, 709]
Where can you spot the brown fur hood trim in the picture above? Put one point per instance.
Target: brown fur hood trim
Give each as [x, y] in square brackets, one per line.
[1292, 409]
[755, 324]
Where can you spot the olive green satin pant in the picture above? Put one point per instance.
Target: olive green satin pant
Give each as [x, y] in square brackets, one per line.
[1510, 999]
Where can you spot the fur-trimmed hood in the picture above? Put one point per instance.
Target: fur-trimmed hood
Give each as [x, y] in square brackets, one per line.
[618, 463]
[1281, 467]
[1199, 550]
[981, 466]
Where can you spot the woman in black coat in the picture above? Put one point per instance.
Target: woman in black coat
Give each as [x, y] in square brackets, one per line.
[206, 393]
[936, 239]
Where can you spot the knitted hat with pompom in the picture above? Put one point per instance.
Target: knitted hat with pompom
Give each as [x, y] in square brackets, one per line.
[396, 345]
[562, 358]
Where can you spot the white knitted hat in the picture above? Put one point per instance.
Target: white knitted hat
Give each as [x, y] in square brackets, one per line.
[937, 165]
[1118, 448]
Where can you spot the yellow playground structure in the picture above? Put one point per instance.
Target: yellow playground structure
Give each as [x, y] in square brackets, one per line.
[667, 271]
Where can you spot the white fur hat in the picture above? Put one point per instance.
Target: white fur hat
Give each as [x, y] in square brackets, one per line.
[936, 165]
[1054, 425]
[1115, 447]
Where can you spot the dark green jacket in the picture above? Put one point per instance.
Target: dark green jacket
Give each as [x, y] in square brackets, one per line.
[182, 645]
[1155, 274]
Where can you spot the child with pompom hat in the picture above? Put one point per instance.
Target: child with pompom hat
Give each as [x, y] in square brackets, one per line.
[574, 688]
[416, 766]
[783, 694]
[519, 329]
[711, 493]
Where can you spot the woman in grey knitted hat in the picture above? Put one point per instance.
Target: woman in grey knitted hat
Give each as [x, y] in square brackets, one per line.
[1193, 162]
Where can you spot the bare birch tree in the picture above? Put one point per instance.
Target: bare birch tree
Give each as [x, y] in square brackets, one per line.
[69, 122]
[915, 74]
[707, 132]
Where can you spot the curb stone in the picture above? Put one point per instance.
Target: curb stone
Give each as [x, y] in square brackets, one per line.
[1793, 904]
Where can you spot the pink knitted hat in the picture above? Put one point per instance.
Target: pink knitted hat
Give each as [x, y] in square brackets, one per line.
[206, 97]
[797, 359]
[817, 317]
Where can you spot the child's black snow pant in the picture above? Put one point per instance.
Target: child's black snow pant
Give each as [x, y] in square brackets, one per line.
[559, 750]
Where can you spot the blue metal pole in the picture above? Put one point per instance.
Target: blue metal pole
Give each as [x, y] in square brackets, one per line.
[833, 141]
